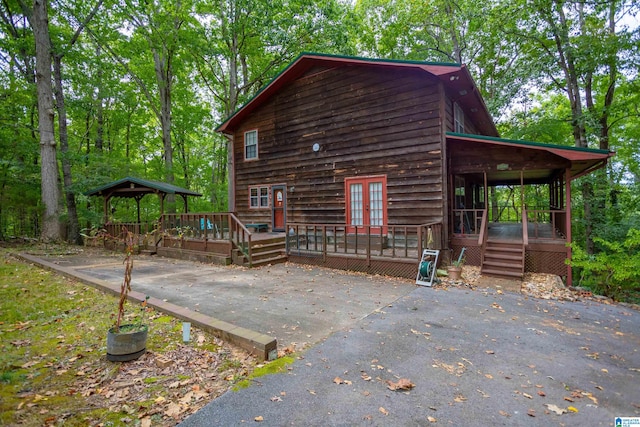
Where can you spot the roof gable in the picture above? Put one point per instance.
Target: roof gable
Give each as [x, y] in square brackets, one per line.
[129, 187]
[455, 77]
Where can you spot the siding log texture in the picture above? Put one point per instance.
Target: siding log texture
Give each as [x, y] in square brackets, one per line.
[367, 121]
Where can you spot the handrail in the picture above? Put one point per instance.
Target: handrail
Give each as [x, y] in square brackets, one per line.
[236, 230]
[483, 228]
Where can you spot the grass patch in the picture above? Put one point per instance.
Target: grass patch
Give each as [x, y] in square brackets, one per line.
[273, 367]
[53, 367]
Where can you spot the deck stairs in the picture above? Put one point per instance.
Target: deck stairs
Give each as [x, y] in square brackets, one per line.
[264, 252]
[503, 258]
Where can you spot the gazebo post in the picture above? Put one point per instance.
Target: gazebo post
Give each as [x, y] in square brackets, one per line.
[105, 218]
[138, 198]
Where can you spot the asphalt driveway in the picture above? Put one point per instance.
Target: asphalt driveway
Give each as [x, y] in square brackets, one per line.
[478, 358]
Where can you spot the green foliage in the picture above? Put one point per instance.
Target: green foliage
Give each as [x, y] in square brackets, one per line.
[615, 270]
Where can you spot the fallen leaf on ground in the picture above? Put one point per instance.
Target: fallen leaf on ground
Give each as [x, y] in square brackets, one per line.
[339, 380]
[556, 409]
[383, 411]
[591, 396]
[531, 412]
[504, 414]
[572, 409]
[431, 419]
[402, 384]
[258, 418]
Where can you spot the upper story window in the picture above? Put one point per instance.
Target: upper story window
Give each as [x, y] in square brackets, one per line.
[458, 118]
[251, 145]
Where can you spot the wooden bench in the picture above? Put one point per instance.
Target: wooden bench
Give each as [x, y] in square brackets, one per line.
[258, 227]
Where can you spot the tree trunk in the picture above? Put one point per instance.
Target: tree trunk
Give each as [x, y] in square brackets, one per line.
[72, 212]
[50, 190]
[164, 76]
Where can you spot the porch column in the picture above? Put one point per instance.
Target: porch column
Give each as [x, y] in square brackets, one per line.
[567, 186]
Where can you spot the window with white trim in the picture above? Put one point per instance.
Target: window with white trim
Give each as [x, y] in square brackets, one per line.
[251, 145]
[458, 118]
[258, 197]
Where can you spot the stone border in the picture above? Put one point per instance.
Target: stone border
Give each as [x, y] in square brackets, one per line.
[260, 345]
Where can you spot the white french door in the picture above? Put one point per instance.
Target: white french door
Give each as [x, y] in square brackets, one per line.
[366, 202]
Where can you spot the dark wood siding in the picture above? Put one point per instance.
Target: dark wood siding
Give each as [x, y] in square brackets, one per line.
[367, 121]
[469, 126]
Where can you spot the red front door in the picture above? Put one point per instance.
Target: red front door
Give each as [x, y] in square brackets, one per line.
[279, 207]
[366, 203]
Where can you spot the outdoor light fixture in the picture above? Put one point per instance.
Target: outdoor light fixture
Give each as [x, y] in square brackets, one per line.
[316, 147]
[502, 166]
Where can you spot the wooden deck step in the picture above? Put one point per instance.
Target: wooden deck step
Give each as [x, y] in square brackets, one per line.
[501, 273]
[503, 259]
[267, 251]
[266, 261]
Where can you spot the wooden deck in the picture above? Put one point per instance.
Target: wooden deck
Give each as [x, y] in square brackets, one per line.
[511, 231]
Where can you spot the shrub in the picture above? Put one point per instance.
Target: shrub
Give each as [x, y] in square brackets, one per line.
[613, 272]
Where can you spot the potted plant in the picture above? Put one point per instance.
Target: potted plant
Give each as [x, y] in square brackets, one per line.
[129, 341]
[455, 269]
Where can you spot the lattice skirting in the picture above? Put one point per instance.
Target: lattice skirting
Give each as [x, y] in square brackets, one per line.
[546, 262]
[472, 254]
[396, 268]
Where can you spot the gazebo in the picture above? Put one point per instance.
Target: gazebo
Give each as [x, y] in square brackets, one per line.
[137, 188]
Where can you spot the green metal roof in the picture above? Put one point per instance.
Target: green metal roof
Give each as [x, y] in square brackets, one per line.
[129, 187]
[531, 143]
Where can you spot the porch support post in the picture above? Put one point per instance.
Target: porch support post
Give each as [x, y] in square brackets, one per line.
[486, 193]
[521, 195]
[567, 186]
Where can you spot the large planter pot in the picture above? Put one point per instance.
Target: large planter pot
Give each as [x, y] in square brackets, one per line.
[127, 344]
[454, 272]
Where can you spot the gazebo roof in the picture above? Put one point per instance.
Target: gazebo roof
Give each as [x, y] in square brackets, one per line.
[137, 187]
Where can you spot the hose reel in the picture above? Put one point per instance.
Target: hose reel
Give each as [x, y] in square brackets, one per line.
[427, 267]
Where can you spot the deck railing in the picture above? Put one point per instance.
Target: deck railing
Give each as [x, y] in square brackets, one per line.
[468, 222]
[389, 241]
[196, 225]
[240, 237]
[209, 226]
[540, 219]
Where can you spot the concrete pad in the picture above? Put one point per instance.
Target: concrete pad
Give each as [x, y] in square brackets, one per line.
[295, 304]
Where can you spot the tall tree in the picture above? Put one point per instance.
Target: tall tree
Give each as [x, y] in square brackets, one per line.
[50, 191]
[58, 54]
[578, 50]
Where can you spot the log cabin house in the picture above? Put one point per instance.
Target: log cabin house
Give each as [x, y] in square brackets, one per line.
[362, 163]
